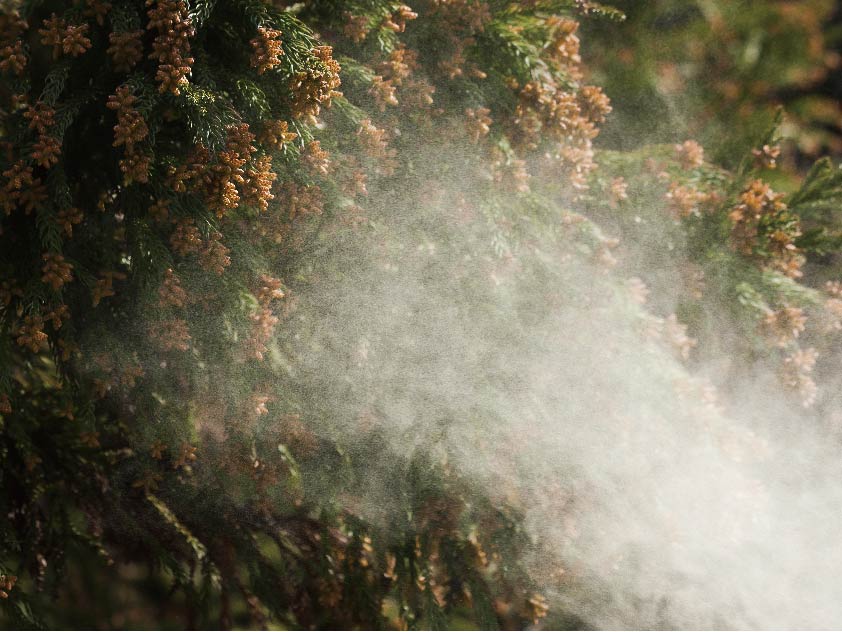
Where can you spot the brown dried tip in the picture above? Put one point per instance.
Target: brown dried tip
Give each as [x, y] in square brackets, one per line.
[171, 47]
[186, 456]
[266, 50]
[157, 449]
[170, 293]
[7, 582]
[397, 21]
[538, 607]
[126, 49]
[356, 27]
[478, 123]
[784, 325]
[276, 134]
[766, 157]
[690, 154]
[57, 272]
[594, 103]
[316, 159]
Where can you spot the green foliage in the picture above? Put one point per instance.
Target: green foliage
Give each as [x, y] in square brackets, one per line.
[717, 71]
[187, 198]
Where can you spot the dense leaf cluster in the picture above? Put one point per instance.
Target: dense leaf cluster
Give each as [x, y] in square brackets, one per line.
[180, 183]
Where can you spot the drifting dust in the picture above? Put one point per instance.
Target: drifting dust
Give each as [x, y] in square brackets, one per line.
[536, 376]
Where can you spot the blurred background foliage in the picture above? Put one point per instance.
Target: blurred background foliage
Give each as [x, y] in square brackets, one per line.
[718, 70]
